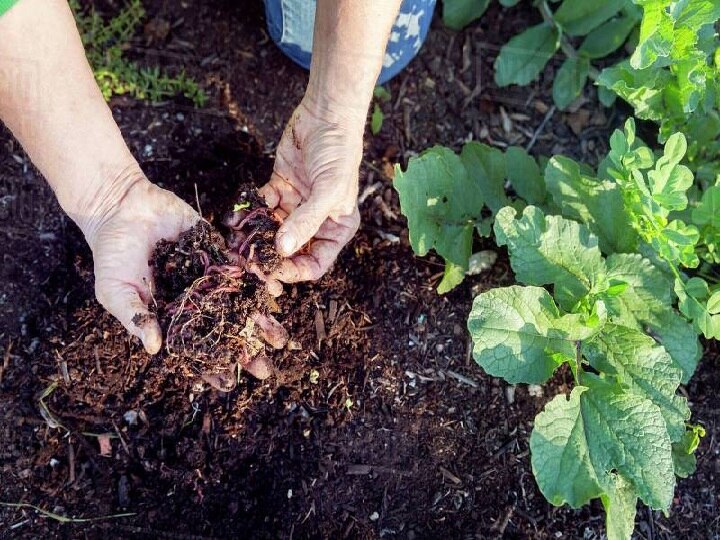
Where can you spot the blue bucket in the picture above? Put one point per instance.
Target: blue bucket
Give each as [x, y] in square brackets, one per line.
[290, 24]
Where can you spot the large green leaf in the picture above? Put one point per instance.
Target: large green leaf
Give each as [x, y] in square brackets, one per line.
[579, 445]
[578, 17]
[595, 202]
[524, 175]
[642, 367]
[442, 203]
[516, 334]
[459, 13]
[570, 81]
[646, 303]
[486, 168]
[551, 251]
[523, 57]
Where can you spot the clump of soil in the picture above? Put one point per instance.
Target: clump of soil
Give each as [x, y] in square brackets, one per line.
[211, 298]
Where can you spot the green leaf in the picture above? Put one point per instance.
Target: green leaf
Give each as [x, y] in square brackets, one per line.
[457, 14]
[515, 334]
[578, 17]
[647, 303]
[708, 211]
[676, 243]
[697, 312]
[486, 167]
[669, 181]
[522, 59]
[570, 81]
[381, 93]
[642, 367]
[656, 34]
[508, 3]
[524, 175]
[644, 90]
[679, 339]
[551, 250]
[579, 445]
[561, 460]
[597, 203]
[607, 38]
[684, 459]
[697, 13]
[442, 204]
[620, 503]
[607, 97]
[648, 291]
[376, 121]
[713, 303]
[453, 275]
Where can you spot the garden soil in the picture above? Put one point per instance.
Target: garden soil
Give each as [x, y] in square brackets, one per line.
[376, 423]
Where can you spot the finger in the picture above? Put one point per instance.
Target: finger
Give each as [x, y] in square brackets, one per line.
[123, 301]
[273, 286]
[280, 193]
[271, 331]
[301, 225]
[323, 251]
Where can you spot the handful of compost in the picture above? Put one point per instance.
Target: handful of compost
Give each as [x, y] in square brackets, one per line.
[215, 299]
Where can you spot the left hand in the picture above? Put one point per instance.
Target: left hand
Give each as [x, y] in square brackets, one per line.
[314, 188]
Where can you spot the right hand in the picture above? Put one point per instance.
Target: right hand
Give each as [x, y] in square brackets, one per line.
[122, 234]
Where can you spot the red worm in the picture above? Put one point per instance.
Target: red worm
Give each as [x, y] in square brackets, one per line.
[246, 242]
[252, 214]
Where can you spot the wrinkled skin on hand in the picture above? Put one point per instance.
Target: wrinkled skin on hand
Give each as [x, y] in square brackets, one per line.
[313, 189]
[122, 239]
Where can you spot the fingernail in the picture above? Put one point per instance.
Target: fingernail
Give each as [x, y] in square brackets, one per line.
[287, 244]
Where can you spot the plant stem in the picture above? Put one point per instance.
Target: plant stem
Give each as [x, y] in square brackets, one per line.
[565, 44]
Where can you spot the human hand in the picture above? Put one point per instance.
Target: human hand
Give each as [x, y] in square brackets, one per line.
[313, 188]
[122, 231]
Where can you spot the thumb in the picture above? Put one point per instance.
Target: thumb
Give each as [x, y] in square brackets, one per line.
[123, 302]
[301, 225]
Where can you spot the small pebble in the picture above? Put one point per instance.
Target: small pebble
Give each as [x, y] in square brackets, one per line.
[535, 390]
[131, 417]
[510, 394]
[374, 516]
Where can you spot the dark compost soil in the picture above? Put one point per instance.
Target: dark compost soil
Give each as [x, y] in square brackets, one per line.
[376, 423]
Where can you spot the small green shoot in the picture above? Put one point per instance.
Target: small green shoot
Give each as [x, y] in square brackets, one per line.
[380, 95]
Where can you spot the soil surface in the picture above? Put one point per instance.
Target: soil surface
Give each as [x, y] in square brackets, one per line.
[376, 423]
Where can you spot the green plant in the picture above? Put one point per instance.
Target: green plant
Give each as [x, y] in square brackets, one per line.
[447, 197]
[105, 44]
[604, 27]
[380, 96]
[672, 77]
[618, 257]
